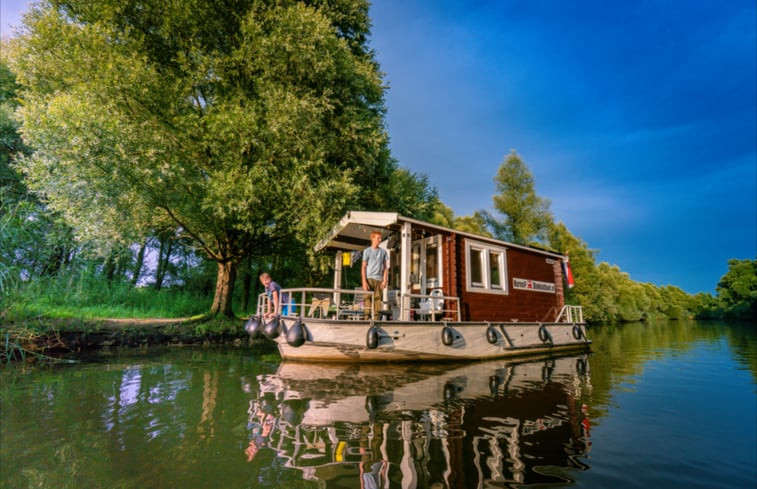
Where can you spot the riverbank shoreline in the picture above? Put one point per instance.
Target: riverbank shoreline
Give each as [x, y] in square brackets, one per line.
[71, 336]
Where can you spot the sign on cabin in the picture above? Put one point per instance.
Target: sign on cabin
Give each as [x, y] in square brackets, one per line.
[524, 284]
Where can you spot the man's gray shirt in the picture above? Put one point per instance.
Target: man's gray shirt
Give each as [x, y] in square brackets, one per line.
[376, 259]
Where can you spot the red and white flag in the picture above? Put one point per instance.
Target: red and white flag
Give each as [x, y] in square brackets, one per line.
[567, 272]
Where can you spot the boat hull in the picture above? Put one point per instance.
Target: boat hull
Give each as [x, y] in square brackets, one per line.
[396, 341]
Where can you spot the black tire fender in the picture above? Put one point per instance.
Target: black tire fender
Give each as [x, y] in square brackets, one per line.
[491, 335]
[447, 337]
[544, 334]
[296, 334]
[372, 337]
[272, 330]
[577, 332]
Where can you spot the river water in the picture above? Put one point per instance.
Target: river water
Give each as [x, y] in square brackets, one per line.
[668, 405]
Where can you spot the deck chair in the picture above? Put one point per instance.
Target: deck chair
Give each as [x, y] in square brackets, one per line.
[432, 306]
[320, 306]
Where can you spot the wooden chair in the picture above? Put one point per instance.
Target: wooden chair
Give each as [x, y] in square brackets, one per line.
[319, 306]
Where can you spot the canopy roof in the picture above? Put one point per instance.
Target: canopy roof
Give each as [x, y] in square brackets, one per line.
[353, 232]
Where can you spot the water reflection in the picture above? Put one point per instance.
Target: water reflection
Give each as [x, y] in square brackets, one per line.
[199, 418]
[490, 424]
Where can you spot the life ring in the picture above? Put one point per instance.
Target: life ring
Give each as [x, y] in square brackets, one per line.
[491, 335]
[447, 338]
[577, 332]
[544, 334]
[296, 335]
[372, 337]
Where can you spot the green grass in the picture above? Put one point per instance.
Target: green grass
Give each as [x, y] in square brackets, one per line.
[88, 296]
[36, 315]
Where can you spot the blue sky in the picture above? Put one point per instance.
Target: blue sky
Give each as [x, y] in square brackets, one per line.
[638, 120]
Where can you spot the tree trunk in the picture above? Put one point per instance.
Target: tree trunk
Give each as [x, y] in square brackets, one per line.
[140, 262]
[164, 256]
[246, 283]
[227, 275]
[158, 272]
[55, 261]
[109, 267]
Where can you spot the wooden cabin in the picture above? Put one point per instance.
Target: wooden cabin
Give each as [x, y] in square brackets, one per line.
[478, 278]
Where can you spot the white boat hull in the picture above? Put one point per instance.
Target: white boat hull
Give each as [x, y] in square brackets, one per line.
[347, 341]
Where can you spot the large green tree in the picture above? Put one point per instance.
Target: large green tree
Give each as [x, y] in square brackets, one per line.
[525, 216]
[234, 121]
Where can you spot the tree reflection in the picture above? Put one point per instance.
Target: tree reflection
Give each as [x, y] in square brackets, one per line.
[489, 424]
[194, 417]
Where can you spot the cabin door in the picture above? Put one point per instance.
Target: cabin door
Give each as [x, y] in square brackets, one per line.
[426, 268]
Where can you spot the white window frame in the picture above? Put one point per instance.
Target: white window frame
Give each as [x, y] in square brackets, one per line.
[486, 250]
[421, 245]
[436, 282]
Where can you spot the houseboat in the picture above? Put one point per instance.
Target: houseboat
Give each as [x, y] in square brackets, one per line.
[451, 295]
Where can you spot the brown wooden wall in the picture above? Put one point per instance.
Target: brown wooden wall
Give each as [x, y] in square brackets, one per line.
[521, 305]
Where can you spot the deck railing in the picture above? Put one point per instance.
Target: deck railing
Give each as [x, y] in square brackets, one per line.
[316, 302]
[432, 306]
[570, 314]
[351, 304]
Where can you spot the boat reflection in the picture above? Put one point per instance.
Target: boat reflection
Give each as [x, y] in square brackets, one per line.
[491, 424]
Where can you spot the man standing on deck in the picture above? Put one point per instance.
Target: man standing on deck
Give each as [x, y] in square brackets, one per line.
[375, 271]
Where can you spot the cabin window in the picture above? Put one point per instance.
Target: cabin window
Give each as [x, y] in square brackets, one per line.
[476, 267]
[485, 265]
[432, 264]
[426, 264]
[495, 265]
[415, 276]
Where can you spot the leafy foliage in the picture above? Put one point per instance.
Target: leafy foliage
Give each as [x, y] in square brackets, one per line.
[737, 290]
[526, 216]
[474, 224]
[33, 241]
[409, 194]
[234, 123]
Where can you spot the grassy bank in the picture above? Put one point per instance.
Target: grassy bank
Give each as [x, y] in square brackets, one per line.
[87, 295]
[60, 316]
[48, 338]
